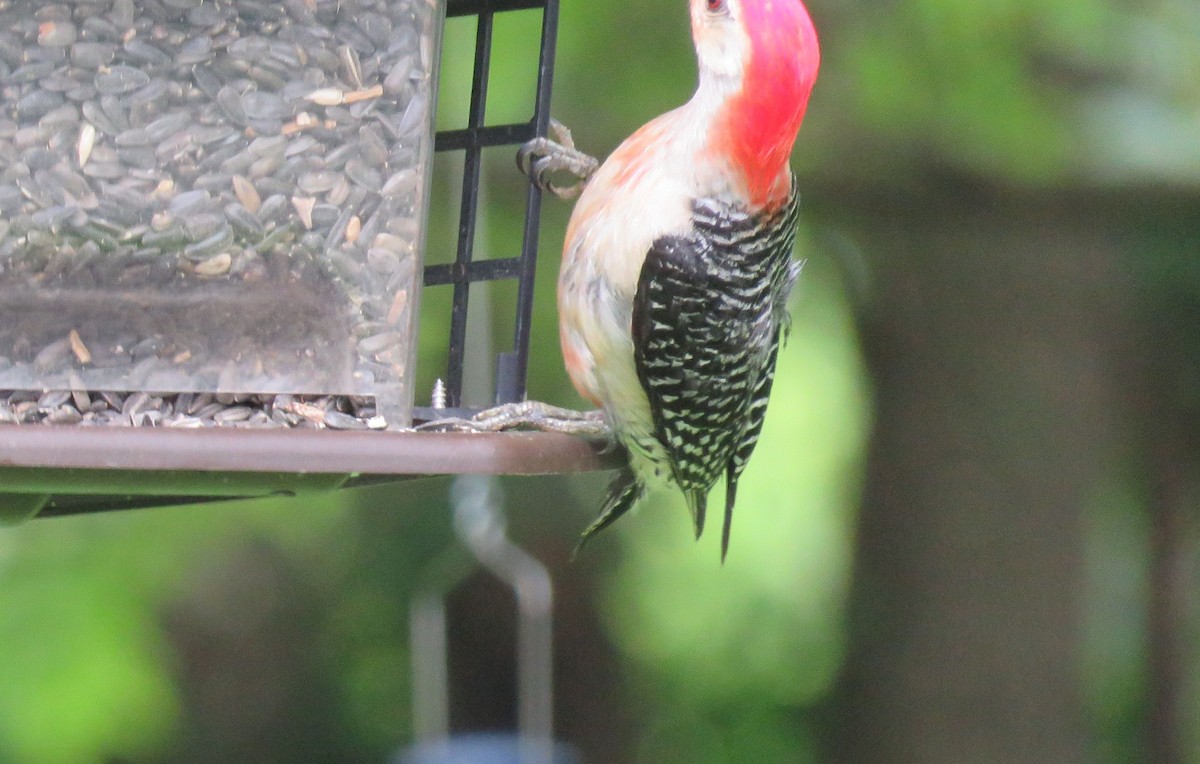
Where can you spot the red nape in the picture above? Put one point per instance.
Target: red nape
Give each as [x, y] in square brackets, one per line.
[759, 125]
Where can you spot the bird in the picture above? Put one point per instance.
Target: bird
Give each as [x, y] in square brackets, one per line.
[677, 262]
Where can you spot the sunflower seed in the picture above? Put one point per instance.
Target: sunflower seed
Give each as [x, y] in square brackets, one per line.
[336, 420]
[137, 49]
[217, 265]
[121, 79]
[56, 34]
[87, 140]
[92, 55]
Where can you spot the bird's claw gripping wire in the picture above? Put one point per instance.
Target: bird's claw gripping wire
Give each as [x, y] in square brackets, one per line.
[541, 157]
[531, 415]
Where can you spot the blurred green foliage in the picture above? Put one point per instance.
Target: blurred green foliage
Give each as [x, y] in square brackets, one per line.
[721, 664]
[88, 672]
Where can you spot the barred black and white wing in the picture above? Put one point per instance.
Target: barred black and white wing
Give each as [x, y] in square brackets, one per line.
[708, 315]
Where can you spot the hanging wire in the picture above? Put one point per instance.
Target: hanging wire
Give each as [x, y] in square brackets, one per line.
[427, 634]
[480, 526]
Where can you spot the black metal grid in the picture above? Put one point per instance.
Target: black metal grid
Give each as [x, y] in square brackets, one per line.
[511, 365]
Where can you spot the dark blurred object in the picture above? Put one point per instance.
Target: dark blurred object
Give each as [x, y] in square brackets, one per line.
[255, 689]
[992, 338]
[1162, 379]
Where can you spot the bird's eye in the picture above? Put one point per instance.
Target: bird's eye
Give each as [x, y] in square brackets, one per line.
[716, 6]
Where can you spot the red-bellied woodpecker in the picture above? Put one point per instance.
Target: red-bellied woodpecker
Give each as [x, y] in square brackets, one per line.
[677, 262]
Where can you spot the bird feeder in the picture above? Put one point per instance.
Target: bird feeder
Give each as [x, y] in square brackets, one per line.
[212, 240]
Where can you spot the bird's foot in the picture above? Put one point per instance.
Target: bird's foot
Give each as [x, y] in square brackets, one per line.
[531, 415]
[542, 157]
